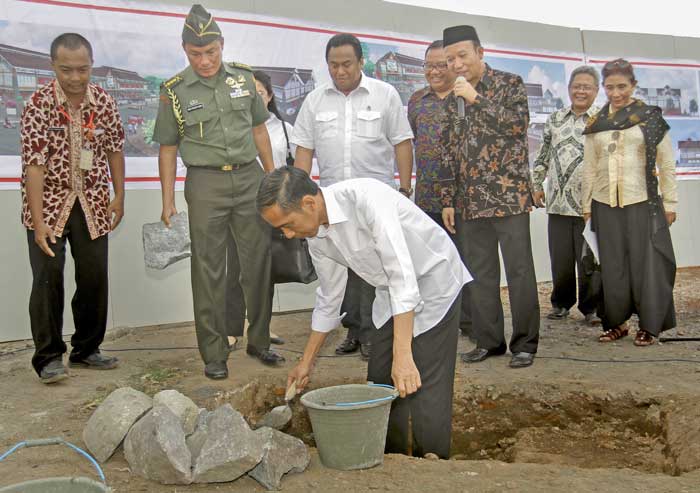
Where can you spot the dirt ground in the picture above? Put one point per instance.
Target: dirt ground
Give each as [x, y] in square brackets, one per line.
[587, 417]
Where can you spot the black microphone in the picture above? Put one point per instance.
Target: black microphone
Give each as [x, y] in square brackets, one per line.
[460, 101]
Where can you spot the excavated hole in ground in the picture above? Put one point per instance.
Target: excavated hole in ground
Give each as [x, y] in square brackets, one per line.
[574, 429]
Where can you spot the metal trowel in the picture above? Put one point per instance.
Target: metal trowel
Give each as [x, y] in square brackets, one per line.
[280, 416]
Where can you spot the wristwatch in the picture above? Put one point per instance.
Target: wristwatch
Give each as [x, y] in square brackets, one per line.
[406, 191]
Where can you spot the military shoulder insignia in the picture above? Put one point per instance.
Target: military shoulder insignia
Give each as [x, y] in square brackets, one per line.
[241, 66]
[175, 102]
[172, 82]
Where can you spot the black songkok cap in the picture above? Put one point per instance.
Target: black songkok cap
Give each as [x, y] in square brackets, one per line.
[455, 34]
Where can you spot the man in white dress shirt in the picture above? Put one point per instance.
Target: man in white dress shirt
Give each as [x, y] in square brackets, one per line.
[358, 128]
[366, 226]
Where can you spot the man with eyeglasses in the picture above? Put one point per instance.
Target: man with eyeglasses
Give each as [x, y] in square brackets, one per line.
[560, 161]
[426, 110]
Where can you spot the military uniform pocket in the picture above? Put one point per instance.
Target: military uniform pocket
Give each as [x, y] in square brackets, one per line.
[240, 103]
[196, 123]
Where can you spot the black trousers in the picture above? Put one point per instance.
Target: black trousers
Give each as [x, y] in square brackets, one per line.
[89, 302]
[465, 319]
[429, 409]
[479, 240]
[638, 268]
[357, 305]
[565, 235]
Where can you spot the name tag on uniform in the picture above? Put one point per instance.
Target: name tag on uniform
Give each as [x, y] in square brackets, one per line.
[193, 107]
[86, 156]
[239, 93]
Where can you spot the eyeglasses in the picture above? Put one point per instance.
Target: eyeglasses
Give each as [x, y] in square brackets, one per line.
[440, 67]
[582, 87]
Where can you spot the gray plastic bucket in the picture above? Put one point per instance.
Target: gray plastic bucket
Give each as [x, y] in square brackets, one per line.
[56, 485]
[350, 423]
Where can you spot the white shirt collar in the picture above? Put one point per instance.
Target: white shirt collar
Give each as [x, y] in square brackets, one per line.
[592, 110]
[364, 84]
[333, 211]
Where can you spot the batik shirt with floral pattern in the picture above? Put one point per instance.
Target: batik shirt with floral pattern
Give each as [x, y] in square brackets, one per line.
[426, 113]
[53, 135]
[560, 161]
[485, 170]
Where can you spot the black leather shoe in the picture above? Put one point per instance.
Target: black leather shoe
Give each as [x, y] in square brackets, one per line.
[365, 351]
[216, 370]
[558, 313]
[267, 356]
[522, 360]
[95, 361]
[348, 346]
[276, 340]
[478, 354]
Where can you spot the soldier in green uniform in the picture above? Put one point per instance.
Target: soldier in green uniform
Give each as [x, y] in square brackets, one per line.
[212, 114]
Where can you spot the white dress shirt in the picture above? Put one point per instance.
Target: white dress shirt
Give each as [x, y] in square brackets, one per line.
[390, 243]
[277, 140]
[354, 135]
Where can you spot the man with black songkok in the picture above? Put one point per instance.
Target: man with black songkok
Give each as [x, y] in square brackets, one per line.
[487, 196]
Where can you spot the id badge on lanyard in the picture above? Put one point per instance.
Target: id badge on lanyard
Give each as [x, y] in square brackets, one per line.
[86, 158]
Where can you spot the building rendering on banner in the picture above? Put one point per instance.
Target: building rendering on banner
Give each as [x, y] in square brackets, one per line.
[667, 98]
[540, 101]
[689, 152]
[23, 71]
[124, 85]
[290, 85]
[403, 72]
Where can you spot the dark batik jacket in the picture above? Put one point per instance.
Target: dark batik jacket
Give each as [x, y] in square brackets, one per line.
[485, 170]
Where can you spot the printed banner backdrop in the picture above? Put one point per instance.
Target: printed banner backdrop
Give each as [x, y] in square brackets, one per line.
[137, 46]
[674, 87]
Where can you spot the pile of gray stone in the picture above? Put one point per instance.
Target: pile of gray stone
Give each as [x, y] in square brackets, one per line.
[169, 439]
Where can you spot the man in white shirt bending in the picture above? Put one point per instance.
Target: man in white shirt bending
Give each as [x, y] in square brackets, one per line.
[366, 226]
[358, 128]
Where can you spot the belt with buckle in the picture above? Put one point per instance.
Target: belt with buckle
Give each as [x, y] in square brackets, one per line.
[230, 167]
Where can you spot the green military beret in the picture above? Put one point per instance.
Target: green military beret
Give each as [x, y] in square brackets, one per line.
[200, 27]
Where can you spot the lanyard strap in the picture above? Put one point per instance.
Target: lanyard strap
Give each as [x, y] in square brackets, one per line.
[286, 137]
[90, 125]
